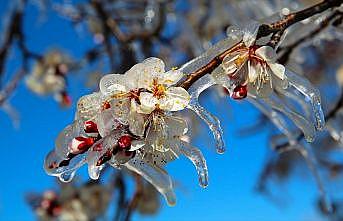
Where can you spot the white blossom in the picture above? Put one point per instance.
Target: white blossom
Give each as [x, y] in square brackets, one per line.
[150, 84]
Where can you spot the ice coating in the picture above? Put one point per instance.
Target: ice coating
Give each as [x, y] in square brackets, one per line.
[156, 176]
[195, 155]
[207, 56]
[275, 117]
[335, 126]
[88, 106]
[64, 173]
[311, 93]
[98, 151]
[305, 126]
[212, 121]
[136, 105]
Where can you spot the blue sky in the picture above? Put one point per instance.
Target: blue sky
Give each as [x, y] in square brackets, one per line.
[230, 194]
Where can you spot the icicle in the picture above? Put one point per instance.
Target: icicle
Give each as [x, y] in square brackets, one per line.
[156, 176]
[65, 138]
[213, 123]
[67, 176]
[335, 126]
[295, 96]
[306, 127]
[275, 117]
[52, 165]
[311, 93]
[195, 155]
[100, 153]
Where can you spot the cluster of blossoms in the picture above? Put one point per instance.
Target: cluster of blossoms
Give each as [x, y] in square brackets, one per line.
[48, 77]
[130, 123]
[133, 121]
[82, 203]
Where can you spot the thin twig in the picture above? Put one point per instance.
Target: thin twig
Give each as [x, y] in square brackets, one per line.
[283, 24]
[11, 86]
[287, 50]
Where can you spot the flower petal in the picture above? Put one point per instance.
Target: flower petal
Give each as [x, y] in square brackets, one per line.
[267, 53]
[170, 78]
[154, 65]
[120, 109]
[148, 103]
[88, 106]
[137, 121]
[136, 144]
[250, 33]
[262, 88]
[278, 70]
[113, 83]
[135, 73]
[230, 64]
[176, 126]
[151, 69]
[253, 71]
[107, 122]
[177, 98]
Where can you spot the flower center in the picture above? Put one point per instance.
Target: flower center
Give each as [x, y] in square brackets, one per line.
[158, 90]
[134, 94]
[106, 105]
[240, 60]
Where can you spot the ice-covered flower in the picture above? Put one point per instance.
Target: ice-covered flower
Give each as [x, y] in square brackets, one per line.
[149, 85]
[257, 69]
[253, 68]
[122, 127]
[250, 69]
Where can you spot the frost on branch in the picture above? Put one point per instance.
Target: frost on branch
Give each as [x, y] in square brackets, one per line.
[131, 123]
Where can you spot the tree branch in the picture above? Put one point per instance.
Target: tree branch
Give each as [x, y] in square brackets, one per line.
[209, 67]
[283, 24]
[11, 86]
[287, 50]
[276, 28]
